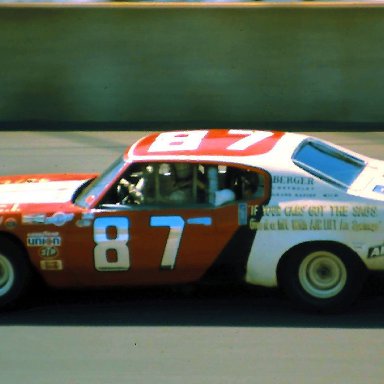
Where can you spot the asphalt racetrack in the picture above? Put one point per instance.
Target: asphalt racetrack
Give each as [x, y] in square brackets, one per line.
[162, 336]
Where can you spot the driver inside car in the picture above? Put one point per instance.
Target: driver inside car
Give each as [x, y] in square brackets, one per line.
[135, 187]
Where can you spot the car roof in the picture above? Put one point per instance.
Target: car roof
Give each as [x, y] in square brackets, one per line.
[231, 145]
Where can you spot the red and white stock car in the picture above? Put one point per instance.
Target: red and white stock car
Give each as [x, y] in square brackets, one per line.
[265, 208]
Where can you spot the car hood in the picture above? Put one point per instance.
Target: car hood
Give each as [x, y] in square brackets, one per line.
[40, 189]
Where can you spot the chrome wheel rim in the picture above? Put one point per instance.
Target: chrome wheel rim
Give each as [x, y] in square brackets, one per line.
[322, 274]
[7, 275]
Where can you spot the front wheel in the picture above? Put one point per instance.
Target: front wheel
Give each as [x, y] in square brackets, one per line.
[323, 279]
[14, 272]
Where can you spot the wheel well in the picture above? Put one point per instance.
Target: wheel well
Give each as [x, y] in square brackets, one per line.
[23, 252]
[16, 241]
[313, 245]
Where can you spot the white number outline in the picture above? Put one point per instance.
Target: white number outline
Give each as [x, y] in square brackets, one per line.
[178, 141]
[251, 138]
[119, 244]
[176, 228]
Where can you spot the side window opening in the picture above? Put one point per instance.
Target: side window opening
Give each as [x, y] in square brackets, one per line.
[186, 183]
[246, 184]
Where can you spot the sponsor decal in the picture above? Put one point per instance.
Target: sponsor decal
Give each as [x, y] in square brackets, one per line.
[48, 252]
[33, 219]
[293, 186]
[295, 180]
[44, 239]
[86, 220]
[330, 195]
[376, 251]
[58, 219]
[316, 218]
[51, 265]
[10, 223]
[82, 223]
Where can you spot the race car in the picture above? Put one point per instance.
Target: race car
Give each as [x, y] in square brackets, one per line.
[219, 206]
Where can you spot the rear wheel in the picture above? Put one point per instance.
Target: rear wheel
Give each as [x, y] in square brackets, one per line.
[326, 279]
[14, 272]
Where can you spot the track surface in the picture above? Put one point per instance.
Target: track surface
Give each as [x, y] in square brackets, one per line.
[161, 336]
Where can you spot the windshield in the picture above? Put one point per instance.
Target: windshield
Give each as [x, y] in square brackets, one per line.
[93, 190]
[328, 163]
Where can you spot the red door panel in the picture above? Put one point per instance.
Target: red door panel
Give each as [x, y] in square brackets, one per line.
[147, 246]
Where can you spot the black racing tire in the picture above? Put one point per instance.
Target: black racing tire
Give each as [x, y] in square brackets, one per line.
[15, 272]
[322, 278]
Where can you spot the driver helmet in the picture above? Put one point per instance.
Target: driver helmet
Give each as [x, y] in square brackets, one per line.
[183, 170]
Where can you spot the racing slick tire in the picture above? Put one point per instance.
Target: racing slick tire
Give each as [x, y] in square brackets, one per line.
[324, 278]
[15, 273]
